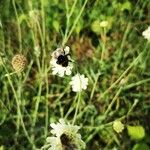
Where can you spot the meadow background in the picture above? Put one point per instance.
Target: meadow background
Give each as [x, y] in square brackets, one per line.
[115, 58]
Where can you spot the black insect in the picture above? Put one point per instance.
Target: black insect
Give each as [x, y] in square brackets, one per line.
[66, 142]
[63, 59]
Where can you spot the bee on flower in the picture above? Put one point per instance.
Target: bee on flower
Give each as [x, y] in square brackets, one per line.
[65, 137]
[61, 62]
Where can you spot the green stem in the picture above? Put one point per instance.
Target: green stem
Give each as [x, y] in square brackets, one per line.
[37, 105]
[75, 22]
[72, 107]
[68, 15]
[46, 103]
[77, 107]
[18, 24]
[94, 87]
[113, 101]
[121, 76]
[18, 108]
[136, 84]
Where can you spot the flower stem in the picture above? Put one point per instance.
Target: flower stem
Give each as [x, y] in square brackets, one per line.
[77, 107]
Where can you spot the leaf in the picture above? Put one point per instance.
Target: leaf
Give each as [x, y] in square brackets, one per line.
[56, 25]
[141, 146]
[136, 132]
[126, 6]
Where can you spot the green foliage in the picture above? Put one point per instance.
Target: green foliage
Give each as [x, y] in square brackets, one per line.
[136, 132]
[116, 60]
[141, 146]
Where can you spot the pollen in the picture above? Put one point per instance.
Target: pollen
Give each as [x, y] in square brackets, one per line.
[19, 62]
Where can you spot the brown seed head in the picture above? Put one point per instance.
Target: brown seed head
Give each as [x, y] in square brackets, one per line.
[19, 62]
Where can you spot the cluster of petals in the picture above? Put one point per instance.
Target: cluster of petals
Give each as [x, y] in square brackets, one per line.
[79, 82]
[71, 131]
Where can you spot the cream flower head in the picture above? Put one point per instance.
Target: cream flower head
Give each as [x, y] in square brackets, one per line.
[146, 33]
[78, 82]
[64, 136]
[118, 126]
[61, 69]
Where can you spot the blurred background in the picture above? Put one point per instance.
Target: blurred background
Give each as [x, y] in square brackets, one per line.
[106, 42]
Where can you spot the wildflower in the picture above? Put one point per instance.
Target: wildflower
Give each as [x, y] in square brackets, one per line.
[78, 83]
[104, 24]
[19, 62]
[118, 126]
[146, 33]
[65, 136]
[61, 62]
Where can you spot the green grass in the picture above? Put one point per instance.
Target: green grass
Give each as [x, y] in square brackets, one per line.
[116, 60]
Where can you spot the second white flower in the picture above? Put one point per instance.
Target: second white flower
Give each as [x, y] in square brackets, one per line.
[78, 83]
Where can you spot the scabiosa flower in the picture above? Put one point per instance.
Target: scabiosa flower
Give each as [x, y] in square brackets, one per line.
[19, 62]
[65, 136]
[146, 33]
[78, 82]
[61, 62]
[118, 126]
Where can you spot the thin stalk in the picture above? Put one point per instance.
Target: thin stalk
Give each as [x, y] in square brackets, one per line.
[18, 108]
[102, 126]
[43, 34]
[78, 101]
[136, 84]
[121, 76]
[77, 107]
[133, 106]
[37, 104]
[103, 37]
[19, 28]
[94, 87]
[46, 101]
[113, 101]
[75, 23]
[71, 108]
[68, 15]
[124, 40]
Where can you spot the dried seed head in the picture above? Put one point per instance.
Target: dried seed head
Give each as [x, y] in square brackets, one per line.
[19, 62]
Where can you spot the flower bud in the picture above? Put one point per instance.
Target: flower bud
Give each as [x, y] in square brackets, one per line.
[19, 62]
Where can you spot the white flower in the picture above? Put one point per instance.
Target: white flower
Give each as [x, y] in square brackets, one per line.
[59, 68]
[72, 139]
[118, 126]
[78, 83]
[146, 33]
